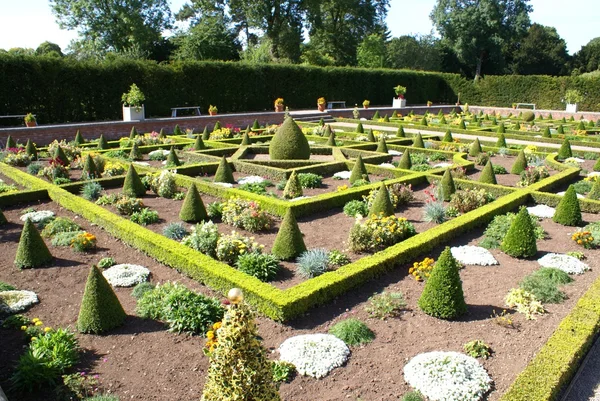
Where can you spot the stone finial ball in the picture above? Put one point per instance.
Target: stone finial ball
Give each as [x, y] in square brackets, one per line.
[235, 295]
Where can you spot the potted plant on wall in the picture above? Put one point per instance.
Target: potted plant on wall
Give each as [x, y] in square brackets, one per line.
[279, 104]
[572, 97]
[429, 103]
[321, 103]
[30, 120]
[212, 110]
[400, 92]
[133, 104]
[366, 103]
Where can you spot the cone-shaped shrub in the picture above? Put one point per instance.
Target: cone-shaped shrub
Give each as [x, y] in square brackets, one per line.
[565, 150]
[102, 144]
[418, 141]
[136, 153]
[461, 124]
[32, 250]
[519, 241]
[520, 164]
[79, 138]
[59, 154]
[239, 368]
[293, 188]
[359, 128]
[448, 187]
[162, 134]
[581, 126]
[289, 242]
[255, 125]
[424, 121]
[289, 143]
[501, 129]
[443, 120]
[448, 137]
[177, 130]
[172, 159]
[192, 210]
[10, 143]
[370, 136]
[595, 191]
[199, 144]
[359, 171]
[224, 172]
[443, 295]
[89, 168]
[376, 115]
[133, 133]
[487, 175]
[331, 139]
[205, 134]
[217, 126]
[2, 218]
[547, 133]
[405, 162]
[501, 142]
[245, 139]
[494, 121]
[597, 165]
[560, 130]
[386, 119]
[568, 212]
[321, 122]
[517, 126]
[382, 203]
[100, 309]
[475, 148]
[327, 130]
[133, 185]
[31, 150]
[382, 146]
[591, 124]
[394, 114]
[248, 130]
[400, 133]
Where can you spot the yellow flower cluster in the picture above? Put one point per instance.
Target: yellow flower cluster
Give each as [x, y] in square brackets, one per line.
[342, 188]
[422, 270]
[580, 132]
[583, 238]
[530, 149]
[223, 133]
[212, 337]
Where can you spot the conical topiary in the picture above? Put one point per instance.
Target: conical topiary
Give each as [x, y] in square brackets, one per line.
[448, 137]
[568, 212]
[217, 126]
[494, 121]
[359, 128]
[475, 148]
[382, 146]
[133, 133]
[172, 159]
[177, 130]
[100, 309]
[591, 124]
[245, 139]
[255, 125]
[386, 119]
[381, 203]
[581, 126]
[327, 130]
[199, 143]
[443, 120]
[519, 241]
[501, 129]
[162, 134]
[10, 143]
[371, 136]
[224, 172]
[293, 188]
[89, 168]
[597, 165]
[520, 164]
[501, 142]
[102, 144]
[79, 139]
[136, 153]
[331, 139]
[289, 242]
[487, 175]
[32, 250]
[595, 191]
[418, 141]
[376, 115]
[2, 218]
[289, 143]
[424, 121]
[192, 210]
[400, 133]
[565, 150]
[560, 130]
[517, 126]
[359, 171]
[31, 150]
[205, 134]
[59, 154]
[405, 162]
[321, 122]
[133, 185]
[547, 133]
[239, 368]
[462, 125]
[248, 130]
[443, 295]
[447, 185]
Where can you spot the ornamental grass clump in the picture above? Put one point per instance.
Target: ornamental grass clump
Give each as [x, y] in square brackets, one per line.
[520, 164]
[32, 251]
[382, 204]
[520, 240]
[100, 309]
[133, 185]
[352, 332]
[487, 175]
[289, 143]
[224, 172]
[293, 187]
[192, 209]
[568, 211]
[359, 171]
[175, 231]
[313, 263]
[262, 266]
[289, 242]
[544, 285]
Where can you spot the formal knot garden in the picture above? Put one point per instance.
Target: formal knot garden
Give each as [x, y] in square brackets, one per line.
[448, 256]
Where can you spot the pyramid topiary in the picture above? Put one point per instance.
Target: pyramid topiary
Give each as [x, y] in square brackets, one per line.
[321, 122]
[386, 119]
[501, 142]
[520, 164]
[255, 125]
[382, 203]
[443, 120]
[162, 134]
[133, 133]
[382, 146]
[547, 133]
[217, 126]
[405, 162]
[359, 128]
[501, 129]
[10, 143]
[400, 133]
[394, 114]
[224, 172]
[565, 150]
[289, 143]
[487, 175]
[248, 130]
[448, 137]
[59, 154]
[172, 159]
[331, 139]
[376, 115]
[475, 148]
[359, 171]
[568, 212]
[494, 121]
[31, 150]
[79, 139]
[32, 250]
[327, 130]
[205, 134]
[418, 141]
[581, 126]
[517, 126]
[2, 218]
[89, 168]
[424, 121]
[136, 153]
[177, 130]
[245, 139]
[443, 295]
[597, 165]
[461, 124]
[371, 136]
[519, 241]
[289, 242]
[447, 185]
[239, 368]
[560, 130]
[133, 185]
[192, 210]
[591, 124]
[293, 188]
[102, 144]
[100, 309]
[199, 143]
[595, 191]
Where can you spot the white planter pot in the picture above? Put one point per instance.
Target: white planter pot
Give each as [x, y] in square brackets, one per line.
[133, 113]
[572, 108]
[398, 103]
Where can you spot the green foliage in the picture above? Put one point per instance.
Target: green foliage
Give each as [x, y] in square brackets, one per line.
[565, 150]
[141, 288]
[310, 180]
[359, 171]
[145, 217]
[477, 349]
[547, 133]
[583, 187]
[32, 251]
[199, 143]
[487, 175]
[135, 153]
[468, 199]
[379, 232]
[501, 142]
[386, 304]
[382, 204]
[59, 225]
[262, 266]
[594, 190]
[418, 141]
[501, 129]
[313, 263]
[224, 172]
[172, 159]
[289, 143]
[126, 205]
[568, 211]
[528, 116]
[66, 238]
[412, 396]
[544, 287]
[448, 137]
[133, 185]
[520, 240]
[105, 263]
[293, 187]
[447, 186]
[175, 231]
[231, 246]
[193, 209]
[520, 164]
[382, 146]
[405, 161]
[434, 212]
[102, 143]
[337, 259]
[203, 238]
[245, 214]
[400, 133]
[100, 309]
[475, 148]
[282, 371]
[498, 228]
[91, 191]
[443, 296]
[597, 164]
[352, 332]
[289, 242]
[356, 207]
[359, 128]
[34, 168]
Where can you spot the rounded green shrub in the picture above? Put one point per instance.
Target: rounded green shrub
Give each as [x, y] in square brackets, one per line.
[289, 242]
[528, 116]
[565, 150]
[487, 175]
[418, 141]
[193, 210]
[382, 203]
[293, 188]
[32, 250]
[568, 211]
[141, 288]
[359, 171]
[133, 185]
[356, 207]
[352, 332]
[520, 240]
[520, 164]
[289, 143]
[224, 172]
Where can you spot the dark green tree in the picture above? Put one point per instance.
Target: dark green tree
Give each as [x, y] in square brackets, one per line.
[540, 52]
[289, 143]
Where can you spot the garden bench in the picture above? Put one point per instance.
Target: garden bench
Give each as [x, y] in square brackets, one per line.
[526, 104]
[174, 110]
[333, 103]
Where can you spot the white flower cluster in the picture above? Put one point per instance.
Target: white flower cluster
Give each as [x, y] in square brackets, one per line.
[143, 163]
[574, 160]
[314, 355]
[36, 217]
[16, 301]
[394, 152]
[159, 152]
[579, 196]
[541, 211]
[442, 165]
[342, 175]
[566, 263]
[387, 165]
[594, 174]
[300, 198]
[473, 255]
[224, 184]
[447, 376]
[252, 179]
[126, 275]
[312, 143]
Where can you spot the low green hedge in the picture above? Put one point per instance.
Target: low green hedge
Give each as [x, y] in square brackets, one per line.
[13, 198]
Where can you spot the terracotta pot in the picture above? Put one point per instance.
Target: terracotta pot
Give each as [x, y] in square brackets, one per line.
[278, 108]
[31, 123]
[366, 107]
[321, 107]
[212, 113]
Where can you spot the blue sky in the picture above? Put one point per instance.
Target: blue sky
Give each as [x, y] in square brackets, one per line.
[27, 23]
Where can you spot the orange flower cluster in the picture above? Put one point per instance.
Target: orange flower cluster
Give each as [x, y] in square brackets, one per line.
[422, 270]
[583, 238]
[212, 337]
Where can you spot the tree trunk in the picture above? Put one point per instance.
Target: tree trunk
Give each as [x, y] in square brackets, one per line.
[478, 69]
